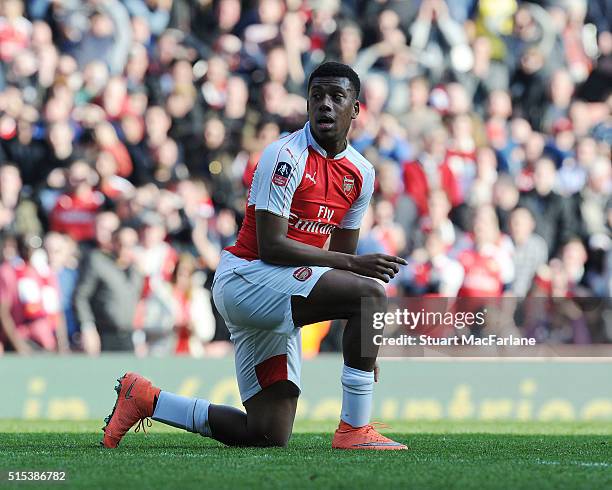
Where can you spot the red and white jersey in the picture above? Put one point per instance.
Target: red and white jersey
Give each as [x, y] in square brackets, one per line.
[486, 271]
[76, 215]
[296, 180]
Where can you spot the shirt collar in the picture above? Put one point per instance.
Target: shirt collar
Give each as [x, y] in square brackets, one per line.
[312, 142]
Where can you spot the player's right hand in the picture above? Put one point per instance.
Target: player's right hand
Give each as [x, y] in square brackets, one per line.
[378, 266]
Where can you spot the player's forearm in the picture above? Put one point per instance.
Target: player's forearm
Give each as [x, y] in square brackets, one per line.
[344, 240]
[285, 251]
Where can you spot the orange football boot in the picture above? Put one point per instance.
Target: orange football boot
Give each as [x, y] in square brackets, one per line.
[135, 397]
[366, 437]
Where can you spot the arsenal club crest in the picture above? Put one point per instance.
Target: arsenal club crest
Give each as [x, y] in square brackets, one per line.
[348, 183]
[302, 273]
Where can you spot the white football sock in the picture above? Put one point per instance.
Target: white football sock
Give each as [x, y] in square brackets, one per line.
[183, 412]
[357, 387]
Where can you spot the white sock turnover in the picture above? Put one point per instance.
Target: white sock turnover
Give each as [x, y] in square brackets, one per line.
[183, 412]
[357, 388]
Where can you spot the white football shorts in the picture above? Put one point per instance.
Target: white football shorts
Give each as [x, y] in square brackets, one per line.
[254, 299]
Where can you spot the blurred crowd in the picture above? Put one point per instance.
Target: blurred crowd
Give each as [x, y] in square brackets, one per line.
[130, 131]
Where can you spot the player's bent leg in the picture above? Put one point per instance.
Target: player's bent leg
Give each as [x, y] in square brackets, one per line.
[271, 413]
[268, 421]
[338, 295]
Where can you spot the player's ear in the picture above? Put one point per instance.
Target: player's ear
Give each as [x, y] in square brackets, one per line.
[355, 110]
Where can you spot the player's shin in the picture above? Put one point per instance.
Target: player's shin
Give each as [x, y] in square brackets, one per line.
[357, 388]
[186, 413]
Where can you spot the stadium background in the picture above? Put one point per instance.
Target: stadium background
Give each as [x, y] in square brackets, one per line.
[488, 123]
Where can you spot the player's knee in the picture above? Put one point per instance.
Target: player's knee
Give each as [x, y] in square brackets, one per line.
[278, 440]
[273, 438]
[368, 289]
[375, 292]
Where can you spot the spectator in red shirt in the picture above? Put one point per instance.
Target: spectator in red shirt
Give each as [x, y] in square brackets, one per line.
[156, 257]
[431, 171]
[488, 262]
[15, 30]
[156, 260]
[461, 155]
[194, 319]
[75, 211]
[108, 141]
[30, 313]
[8, 335]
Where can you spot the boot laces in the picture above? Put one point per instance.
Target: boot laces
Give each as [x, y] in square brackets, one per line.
[141, 425]
[376, 426]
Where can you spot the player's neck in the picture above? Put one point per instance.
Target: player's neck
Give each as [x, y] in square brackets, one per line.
[333, 148]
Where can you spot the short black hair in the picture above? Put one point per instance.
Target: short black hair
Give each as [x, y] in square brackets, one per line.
[335, 69]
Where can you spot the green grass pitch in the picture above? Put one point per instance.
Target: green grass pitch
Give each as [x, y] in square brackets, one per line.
[445, 455]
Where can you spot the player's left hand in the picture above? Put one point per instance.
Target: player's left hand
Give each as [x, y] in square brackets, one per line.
[376, 372]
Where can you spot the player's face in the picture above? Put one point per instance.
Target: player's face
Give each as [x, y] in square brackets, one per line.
[331, 108]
